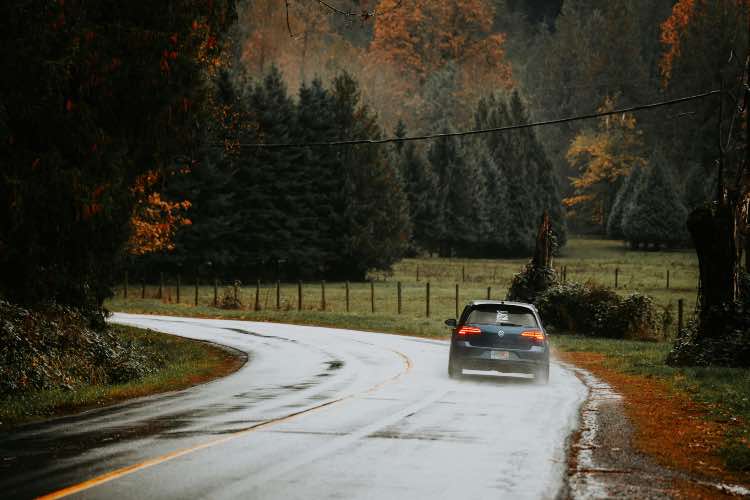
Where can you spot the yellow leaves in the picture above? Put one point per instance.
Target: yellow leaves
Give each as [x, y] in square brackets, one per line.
[603, 156]
[577, 200]
[155, 220]
[671, 31]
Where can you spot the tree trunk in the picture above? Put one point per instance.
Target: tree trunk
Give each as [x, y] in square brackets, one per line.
[712, 231]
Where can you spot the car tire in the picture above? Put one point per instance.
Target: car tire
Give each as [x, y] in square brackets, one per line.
[454, 369]
[541, 375]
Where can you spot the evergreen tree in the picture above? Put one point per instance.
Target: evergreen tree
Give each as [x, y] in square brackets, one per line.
[655, 214]
[622, 200]
[264, 185]
[375, 228]
[443, 157]
[315, 219]
[495, 231]
[419, 186]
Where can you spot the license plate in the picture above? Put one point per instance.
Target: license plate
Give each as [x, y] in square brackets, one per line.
[504, 355]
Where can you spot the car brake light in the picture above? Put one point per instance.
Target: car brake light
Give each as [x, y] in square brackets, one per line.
[469, 330]
[535, 336]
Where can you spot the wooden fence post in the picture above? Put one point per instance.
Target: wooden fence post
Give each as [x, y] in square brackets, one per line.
[323, 295]
[398, 297]
[667, 279]
[143, 288]
[278, 295]
[125, 290]
[178, 288]
[216, 292]
[161, 285]
[680, 317]
[427, 301]
[197, 285]
[617, 276]
[257, 295]
[372, 295]
[457, 300]
[489, 293]
[299, 295]
[347, 296]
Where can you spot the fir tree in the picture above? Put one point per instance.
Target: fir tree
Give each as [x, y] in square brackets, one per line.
[375, 228]
[622, 200]
[419, 186]
[655, 214]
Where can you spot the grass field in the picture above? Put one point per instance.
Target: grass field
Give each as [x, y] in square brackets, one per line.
[584, 259]
[182, 362]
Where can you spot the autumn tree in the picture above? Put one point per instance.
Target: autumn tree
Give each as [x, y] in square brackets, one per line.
[94, 95]
[420, 38]
[603, 156]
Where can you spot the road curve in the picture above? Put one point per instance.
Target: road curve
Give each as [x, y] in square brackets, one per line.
[315, 413]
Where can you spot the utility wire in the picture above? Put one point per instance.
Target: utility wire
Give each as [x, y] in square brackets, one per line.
[356, 142]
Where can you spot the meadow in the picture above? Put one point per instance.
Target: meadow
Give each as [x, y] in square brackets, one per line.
[373, 305]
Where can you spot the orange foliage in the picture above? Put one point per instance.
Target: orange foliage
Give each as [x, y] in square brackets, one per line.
[418, 37]
[673, 30]
[603, 156]
[155, 220]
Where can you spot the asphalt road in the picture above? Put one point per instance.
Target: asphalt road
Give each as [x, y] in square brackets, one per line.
[315, 413]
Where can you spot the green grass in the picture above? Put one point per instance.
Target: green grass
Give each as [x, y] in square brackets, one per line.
[585, 259]
[182, 363]
[726, 391]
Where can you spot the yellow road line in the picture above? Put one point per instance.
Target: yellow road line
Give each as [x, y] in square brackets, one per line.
[130, 469]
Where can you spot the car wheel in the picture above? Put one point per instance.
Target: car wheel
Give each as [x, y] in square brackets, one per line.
[541, 376]
[454, 369]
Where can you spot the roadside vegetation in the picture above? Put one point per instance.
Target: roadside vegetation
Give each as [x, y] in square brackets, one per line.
[719, 421]
[51, 382]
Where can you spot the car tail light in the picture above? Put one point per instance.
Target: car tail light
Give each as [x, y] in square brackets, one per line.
[536, 336]
[469, 330]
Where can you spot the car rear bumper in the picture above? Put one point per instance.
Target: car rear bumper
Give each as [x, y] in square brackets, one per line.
[479, 358]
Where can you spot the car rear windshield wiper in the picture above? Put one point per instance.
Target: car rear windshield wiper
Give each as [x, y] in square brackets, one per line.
[510, 324]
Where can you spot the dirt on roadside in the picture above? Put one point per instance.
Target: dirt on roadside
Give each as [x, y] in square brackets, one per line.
[640, 438]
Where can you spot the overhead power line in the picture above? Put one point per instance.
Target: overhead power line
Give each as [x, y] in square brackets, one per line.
[427, 137]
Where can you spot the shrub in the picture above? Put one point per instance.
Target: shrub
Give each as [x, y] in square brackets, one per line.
[589, 309]
[57, 347]
[530, 283]
[725, 340]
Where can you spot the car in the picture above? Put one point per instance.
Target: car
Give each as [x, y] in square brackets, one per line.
[500, 336]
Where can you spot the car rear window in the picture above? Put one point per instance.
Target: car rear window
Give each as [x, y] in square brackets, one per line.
[489, 314]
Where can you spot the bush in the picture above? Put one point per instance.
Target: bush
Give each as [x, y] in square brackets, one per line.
[530, 283]
[57, 347]
[726, 339]
[589, 309]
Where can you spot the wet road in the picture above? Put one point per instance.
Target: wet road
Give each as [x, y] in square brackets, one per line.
[315, 413]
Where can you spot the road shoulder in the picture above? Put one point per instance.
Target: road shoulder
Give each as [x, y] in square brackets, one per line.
[637, 440]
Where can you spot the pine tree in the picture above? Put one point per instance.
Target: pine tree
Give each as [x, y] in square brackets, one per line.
[264, 184]
[419, 186]
[315, 218]
[655, 215]
[375, 228]
[495, 231]
[622, 200]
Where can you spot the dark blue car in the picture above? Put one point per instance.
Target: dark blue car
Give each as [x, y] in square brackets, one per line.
[499, 336]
